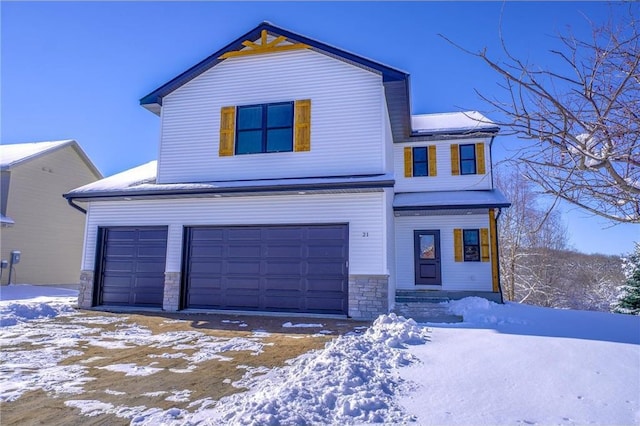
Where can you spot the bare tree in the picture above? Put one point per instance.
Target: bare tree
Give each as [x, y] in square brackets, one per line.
[583, 116]
[528, 234]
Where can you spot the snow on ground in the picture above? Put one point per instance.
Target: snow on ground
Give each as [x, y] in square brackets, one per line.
[25, 302]
[505, 364]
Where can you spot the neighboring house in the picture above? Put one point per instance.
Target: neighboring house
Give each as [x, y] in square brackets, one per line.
[292, 177]
[36, 219]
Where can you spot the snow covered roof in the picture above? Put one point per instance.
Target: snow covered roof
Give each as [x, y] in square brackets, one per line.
[141, 181]
[452, 123]
[14, 154]
[441, 200]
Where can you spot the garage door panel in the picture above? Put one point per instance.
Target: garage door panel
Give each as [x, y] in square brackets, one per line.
[241, 283]
[239, 267]
[156, 252]
[131, 270]
[278, 251]
[326, 285]
[204, 267]
[206, 234]
[326, 268]
[244, 250]
[283, 268]
[205, 284]
[206, 251]
[274, 268]
[283, 233]
[118, 266]
[144, 266]
[281, 284]
[327, 251]
[283, 302]
[234, 234]
[327, 233]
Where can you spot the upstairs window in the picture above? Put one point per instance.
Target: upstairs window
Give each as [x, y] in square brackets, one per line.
[264, 128]
[420, 161]
[467, 159]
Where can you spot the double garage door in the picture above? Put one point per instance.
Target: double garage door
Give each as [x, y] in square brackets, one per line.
[266, 268]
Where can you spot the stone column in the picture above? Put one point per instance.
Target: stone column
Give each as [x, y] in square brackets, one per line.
[368, 296]
[171, 300]
[85, 291]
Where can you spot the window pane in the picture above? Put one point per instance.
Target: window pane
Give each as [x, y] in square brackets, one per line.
[427, 247]
[249, 142]
[420, 169]
[471, 254]
[419, 154]
[249, 117]
[468, 152]
[468, 167]
[279, 140]
[279, 115]
[471, 236]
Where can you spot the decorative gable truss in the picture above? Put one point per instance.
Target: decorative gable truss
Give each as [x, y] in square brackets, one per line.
[277, 44]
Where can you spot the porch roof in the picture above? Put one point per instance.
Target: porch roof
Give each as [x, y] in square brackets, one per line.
[449, 200]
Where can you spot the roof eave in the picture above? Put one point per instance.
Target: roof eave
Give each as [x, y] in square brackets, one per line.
[191, 192]
[453, 207]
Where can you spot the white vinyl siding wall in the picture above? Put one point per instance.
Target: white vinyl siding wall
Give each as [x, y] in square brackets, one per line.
[346, 119]
[364, 212]
[444, 181]
[460, 276]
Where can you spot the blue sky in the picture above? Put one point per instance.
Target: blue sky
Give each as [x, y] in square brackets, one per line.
[76, 70]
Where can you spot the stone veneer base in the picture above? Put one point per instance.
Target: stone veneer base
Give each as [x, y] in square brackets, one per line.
[368, 296]
[85, 291]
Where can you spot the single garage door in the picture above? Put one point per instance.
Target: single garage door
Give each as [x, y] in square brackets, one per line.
[131, 266]
[267, 268]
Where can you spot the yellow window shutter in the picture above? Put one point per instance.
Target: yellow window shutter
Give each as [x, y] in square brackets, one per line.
[302, 126]
[433, 170]
[455, 160]
[484, 245]
[408, 161]
[480, 166]
[227, 131]
[457, 244]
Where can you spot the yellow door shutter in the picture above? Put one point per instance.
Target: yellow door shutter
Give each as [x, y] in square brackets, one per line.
[480, 166]
[455, 160]
[433, 170]
[408, 161]
[457, 244]
[484, 245]
[227, 131]
[302, 126]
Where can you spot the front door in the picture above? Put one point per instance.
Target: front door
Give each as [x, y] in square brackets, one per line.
[427, 257]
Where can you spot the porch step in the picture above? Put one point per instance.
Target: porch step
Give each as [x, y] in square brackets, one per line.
[425, 311]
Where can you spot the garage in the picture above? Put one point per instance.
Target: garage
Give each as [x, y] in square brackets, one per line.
[302, 268]
[131, 264]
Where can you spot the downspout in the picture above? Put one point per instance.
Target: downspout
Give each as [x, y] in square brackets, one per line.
[75, 206]
[498, 254]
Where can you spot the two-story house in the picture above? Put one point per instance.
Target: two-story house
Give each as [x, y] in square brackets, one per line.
[292, 177]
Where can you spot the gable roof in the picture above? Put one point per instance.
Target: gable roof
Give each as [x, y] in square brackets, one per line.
[19, 153]
[153, 101]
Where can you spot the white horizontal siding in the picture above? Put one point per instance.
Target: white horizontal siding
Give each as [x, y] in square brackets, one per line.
[365, 214]
[444, 181]
[346, 119]
[455, 275]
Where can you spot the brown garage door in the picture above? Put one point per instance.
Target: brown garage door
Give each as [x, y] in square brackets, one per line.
[131, 263]
[267, 268]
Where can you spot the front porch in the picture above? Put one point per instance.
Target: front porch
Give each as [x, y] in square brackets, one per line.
[426, 305]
